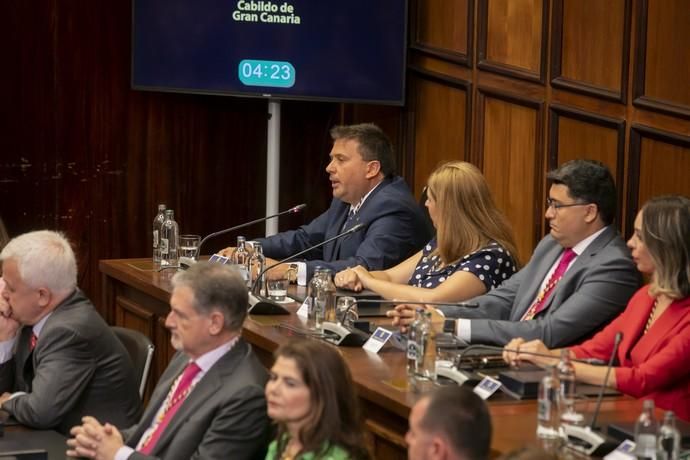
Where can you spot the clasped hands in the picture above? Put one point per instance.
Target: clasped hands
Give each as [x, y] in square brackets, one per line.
[94, 440]
[354, 279]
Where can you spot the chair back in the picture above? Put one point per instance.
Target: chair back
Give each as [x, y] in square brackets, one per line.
[140, 349]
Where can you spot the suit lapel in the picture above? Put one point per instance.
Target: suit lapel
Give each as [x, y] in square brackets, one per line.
[176, 367]
[330, 249]
[533, 288]
[205, 389]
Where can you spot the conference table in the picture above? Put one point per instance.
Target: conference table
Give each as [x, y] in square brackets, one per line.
[136, 296]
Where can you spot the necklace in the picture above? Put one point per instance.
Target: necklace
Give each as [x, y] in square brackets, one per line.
[650, 320]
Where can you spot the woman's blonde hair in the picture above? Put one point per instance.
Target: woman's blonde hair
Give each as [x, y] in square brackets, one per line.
[666, 234]
[469, 218]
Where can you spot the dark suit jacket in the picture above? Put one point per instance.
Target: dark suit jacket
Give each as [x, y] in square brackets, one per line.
[223, 417]
[396, 228]
[652, 365]
[80, 368]
[594, 290]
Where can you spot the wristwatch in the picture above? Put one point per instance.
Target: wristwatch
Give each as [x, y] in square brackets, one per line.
[449, 326]
[291, 273]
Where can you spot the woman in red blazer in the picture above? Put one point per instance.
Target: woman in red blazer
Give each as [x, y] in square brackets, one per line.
[654, 352]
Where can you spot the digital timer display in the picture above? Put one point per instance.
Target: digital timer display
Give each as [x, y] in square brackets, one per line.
[277, 74]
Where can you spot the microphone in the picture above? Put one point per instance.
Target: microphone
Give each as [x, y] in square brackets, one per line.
[586, 439]
[344, 336]
[591, 361]
[261, 306]
[293, 210]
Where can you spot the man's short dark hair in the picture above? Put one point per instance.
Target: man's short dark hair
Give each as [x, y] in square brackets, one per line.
[216, 287]
[591, 182]
[461, 417]
[374, 145]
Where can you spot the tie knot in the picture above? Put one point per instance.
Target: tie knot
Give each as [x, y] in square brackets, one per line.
[568, 256]
[190, 371]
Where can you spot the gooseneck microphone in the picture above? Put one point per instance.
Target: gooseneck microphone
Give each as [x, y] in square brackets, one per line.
[590, 361]
[616, 344]
[350, 231]
[293, 210]
[354, 229]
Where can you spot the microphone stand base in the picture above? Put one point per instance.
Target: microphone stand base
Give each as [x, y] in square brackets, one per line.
[262, 306]
[586, 441]
[339, 335]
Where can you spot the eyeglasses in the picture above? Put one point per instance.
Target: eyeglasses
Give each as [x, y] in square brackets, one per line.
[556, 206]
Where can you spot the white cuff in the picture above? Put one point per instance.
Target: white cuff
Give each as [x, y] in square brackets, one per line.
[463, 329]
[18, 393]
[123, 453]
[7, 349]
[301, 273]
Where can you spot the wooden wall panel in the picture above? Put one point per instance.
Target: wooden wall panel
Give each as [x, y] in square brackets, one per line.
[577, 134]
[510, 150]
[513, 37]
[660, 162]
[444, 29]
[594, 58]
[440, 124]
[663, 56]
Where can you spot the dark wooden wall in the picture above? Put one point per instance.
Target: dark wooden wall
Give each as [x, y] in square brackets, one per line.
[515, 86]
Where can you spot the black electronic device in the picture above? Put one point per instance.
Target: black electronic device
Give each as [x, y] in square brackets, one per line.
[328, 50]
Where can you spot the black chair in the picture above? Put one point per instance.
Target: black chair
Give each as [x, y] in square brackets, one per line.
[140, 349]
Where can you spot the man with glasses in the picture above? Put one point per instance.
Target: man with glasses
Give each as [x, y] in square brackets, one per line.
[580, 276]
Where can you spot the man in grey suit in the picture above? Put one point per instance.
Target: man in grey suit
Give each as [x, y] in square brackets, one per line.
[209, 402]
[58, 356]
[580, 276]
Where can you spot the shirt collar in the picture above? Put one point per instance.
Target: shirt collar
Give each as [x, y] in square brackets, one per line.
[208, 359]
[354, 208]
[38, 327]
[580, 247]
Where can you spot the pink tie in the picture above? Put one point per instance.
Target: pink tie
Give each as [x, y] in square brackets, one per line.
[171, 405]
[540, 303]
[32, 342]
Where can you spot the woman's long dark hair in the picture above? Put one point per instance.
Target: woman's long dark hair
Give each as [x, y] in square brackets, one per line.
[334, 418]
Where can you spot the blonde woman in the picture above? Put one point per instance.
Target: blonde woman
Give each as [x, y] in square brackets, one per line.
[473, 252]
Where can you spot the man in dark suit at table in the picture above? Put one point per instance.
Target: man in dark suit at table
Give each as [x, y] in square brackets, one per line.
[66, 361]
[451, 423]
[365, 190]
[579, 278]
[209, 403]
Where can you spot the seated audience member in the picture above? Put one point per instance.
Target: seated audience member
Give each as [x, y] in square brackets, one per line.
[311, 398]
[652, 359]
[451, 423]
[366, 191]
[209, 403]
[473, 252]
[58, 356]
[579, 278]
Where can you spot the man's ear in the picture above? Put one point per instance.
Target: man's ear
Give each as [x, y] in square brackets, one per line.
[217, 322]
[592, 213]
[438, 449]
[44, 297]
[373, 169]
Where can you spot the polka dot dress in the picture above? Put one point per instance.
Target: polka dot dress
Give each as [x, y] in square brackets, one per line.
[492, 264]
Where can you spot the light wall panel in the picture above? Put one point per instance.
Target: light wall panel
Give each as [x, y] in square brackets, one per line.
[444, 29]
[440, 124]
[510, 152]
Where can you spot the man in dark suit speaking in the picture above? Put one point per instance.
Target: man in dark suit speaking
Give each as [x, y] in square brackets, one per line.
[209, 403]
[66, 362]
[365, 190]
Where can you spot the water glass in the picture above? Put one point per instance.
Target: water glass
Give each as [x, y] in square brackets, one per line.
[277, 289]
[189, 248]
[346, 311]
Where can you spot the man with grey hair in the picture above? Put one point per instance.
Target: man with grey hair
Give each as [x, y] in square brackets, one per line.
[209, 403]
[58, 355]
